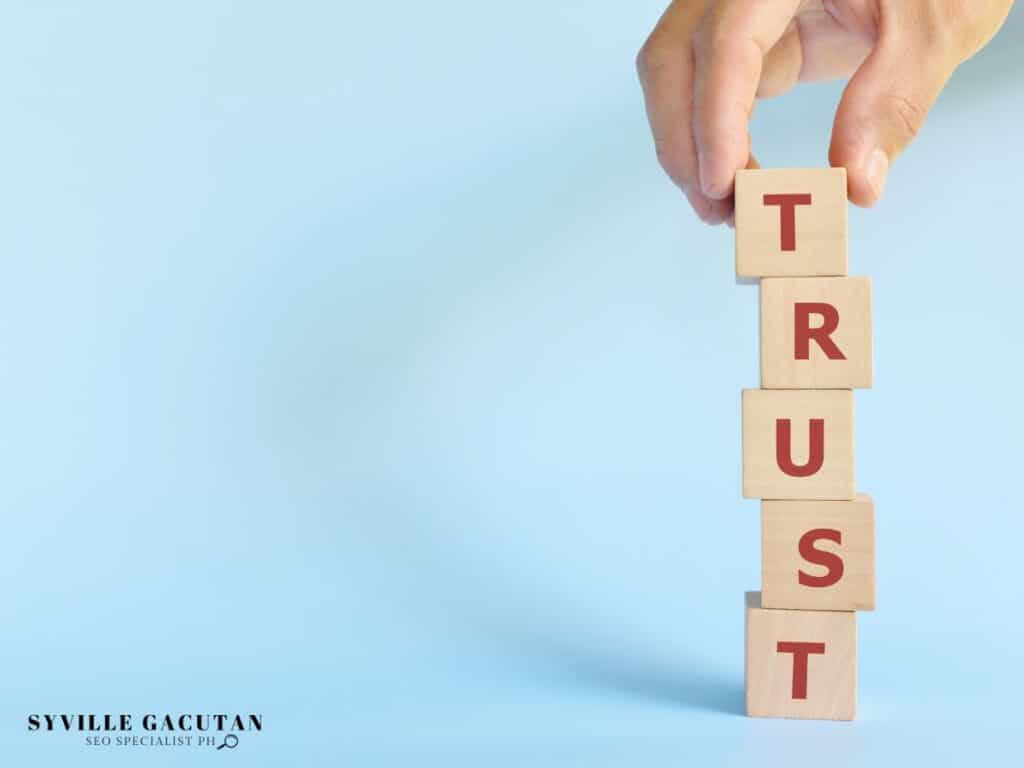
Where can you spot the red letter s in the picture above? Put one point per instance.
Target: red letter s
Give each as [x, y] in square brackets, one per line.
[830, 560]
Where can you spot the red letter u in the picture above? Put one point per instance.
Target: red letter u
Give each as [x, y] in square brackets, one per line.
[784, 448]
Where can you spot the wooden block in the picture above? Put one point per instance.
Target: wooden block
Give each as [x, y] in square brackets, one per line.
[798, 444]
[800, 663]
[818, 555]
[816, 332]
[791, 222]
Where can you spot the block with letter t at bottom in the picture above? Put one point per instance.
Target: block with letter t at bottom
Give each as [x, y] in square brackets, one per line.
[800, 664]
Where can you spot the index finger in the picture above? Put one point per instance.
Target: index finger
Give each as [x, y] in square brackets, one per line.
[729, 46]
[665, 66]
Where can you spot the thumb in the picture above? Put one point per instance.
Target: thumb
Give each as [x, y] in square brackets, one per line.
[884, 107]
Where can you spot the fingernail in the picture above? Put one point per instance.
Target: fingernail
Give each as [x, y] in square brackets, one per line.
[875, 170]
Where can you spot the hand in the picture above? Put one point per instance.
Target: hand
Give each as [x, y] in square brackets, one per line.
[707, 60]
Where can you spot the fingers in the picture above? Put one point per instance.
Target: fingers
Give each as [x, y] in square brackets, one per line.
[831, 48]
[729, 47]
[782, 65]
[665, 67]
[816, 46]
[885, 105]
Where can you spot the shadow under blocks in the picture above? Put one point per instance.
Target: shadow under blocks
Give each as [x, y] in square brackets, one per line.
[601, 667]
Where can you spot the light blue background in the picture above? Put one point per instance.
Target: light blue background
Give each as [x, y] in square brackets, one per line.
[360, 368]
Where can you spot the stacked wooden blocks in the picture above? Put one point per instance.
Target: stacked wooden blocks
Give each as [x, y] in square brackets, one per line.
[817, 532]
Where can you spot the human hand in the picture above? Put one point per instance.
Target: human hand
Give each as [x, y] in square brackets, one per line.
[707, 60]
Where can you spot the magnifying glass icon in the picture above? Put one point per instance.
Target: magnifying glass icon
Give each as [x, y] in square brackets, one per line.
[230, 741]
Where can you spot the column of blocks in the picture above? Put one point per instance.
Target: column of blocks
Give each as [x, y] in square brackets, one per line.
[817, 532]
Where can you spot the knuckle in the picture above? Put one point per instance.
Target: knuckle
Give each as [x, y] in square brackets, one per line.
[908, 113]
[642, 62]
[652, 58]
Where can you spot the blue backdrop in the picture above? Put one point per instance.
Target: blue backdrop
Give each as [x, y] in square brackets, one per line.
[361, 369]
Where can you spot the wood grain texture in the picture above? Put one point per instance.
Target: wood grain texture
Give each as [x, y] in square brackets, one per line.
[830, 682]
[764, 478]
[819, 246]
[841, 579]
[798, 315]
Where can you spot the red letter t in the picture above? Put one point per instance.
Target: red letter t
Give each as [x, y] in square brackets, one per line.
[800, 653]
[787, 216]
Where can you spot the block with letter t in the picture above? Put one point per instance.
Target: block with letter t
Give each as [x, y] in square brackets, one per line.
[800, 663]
[791, 222]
